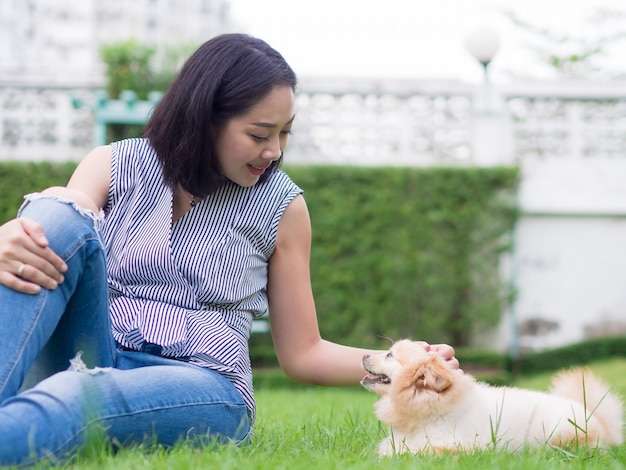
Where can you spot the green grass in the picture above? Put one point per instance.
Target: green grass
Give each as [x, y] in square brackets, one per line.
[335, 428]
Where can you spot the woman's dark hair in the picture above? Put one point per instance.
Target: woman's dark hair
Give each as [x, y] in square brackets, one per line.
[223, 79]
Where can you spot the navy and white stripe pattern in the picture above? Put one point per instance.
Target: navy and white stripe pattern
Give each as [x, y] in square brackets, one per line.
[193, 286]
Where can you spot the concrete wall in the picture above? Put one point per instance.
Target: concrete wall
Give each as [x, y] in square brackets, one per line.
[569, 263]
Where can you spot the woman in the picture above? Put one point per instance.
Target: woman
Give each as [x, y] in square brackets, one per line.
[201, 233]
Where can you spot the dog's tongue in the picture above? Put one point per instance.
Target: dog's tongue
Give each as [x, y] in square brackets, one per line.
[375, 378]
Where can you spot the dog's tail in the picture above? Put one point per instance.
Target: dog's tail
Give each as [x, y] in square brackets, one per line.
[583, 386]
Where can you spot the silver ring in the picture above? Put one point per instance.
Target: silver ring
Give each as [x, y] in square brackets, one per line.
[20, 270]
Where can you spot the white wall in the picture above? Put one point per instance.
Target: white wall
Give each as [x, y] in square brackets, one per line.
[569, 263]
[569, 272]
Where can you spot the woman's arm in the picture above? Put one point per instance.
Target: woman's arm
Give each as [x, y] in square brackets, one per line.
[301, 352]
[89, 184]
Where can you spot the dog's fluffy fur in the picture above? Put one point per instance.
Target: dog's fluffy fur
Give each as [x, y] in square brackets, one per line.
[432, 408]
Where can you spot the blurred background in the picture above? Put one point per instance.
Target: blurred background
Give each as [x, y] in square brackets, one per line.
[423, 40]
[537, 86]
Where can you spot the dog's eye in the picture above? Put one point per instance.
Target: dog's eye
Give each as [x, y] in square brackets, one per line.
[389, 354]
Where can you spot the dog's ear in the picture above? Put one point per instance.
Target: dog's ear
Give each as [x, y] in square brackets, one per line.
[432, 375]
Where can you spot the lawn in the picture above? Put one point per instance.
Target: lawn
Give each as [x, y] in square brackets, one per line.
[335, 428]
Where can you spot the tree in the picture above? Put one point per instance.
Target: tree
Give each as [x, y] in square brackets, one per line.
[576, 56]
[142, 69]
[128, 68]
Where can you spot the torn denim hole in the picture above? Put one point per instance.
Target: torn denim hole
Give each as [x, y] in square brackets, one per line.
[78, 365]
[98, 219]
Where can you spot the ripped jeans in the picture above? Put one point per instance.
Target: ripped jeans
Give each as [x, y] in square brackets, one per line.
[128, 396]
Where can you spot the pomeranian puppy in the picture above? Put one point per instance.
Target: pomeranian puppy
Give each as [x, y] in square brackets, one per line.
[432, 408]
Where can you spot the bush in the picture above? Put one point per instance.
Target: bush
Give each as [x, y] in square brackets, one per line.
[408, 252]
[397, 252]
[142, 69]
[18, 178]
[570, 355]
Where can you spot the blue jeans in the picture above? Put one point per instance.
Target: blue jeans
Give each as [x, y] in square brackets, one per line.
[131, 397]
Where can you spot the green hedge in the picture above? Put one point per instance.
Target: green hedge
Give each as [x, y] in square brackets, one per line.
[405, 252]
[397, 252]
[408, 252]
[577, 354]
[19, 178]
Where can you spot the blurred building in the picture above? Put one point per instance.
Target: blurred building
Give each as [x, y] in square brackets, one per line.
[50, 58]
[57, 41]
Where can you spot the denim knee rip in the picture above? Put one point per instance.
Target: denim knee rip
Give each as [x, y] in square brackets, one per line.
[97, 219]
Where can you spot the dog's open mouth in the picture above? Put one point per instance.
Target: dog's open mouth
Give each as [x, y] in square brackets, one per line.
[371, 379]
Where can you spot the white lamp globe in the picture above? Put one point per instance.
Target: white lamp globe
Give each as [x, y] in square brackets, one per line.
[483, 44]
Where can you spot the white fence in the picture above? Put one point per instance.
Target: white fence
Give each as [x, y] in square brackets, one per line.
[569, 139]
[40, 123]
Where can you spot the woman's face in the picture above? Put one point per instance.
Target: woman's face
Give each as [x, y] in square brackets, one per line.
[249, 143]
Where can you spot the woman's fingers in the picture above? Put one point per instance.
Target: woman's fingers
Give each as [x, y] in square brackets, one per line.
[26, 261]
[444, 350]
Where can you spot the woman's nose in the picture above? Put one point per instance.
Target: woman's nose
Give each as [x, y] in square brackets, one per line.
[272, 153]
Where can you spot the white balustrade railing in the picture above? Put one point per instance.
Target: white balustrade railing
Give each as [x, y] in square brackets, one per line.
[382, 123]
[40, 123]
[371, 122]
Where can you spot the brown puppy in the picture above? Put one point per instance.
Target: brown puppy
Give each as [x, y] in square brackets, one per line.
[433, 408]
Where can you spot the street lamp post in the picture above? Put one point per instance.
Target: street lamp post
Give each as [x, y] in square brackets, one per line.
[491, 136]
[490, 127]
[483, 44]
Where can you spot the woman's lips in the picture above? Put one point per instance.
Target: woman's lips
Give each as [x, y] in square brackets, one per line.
[257, 170]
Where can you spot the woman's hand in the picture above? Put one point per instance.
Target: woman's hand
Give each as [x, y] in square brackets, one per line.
[443, 350]
[26, 261]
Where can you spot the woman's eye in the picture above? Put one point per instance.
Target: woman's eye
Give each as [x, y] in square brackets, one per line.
[258, 138]
[286, 132]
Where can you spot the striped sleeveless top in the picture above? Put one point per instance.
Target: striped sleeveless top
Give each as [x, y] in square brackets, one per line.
[192, 286]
